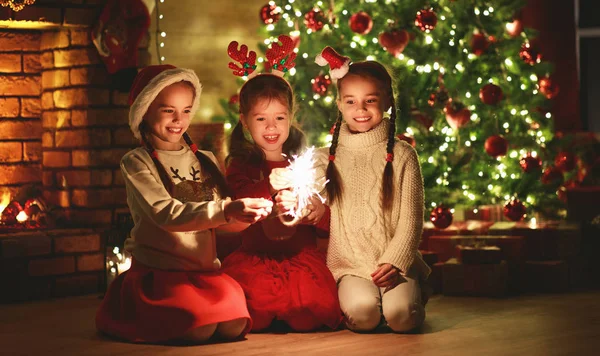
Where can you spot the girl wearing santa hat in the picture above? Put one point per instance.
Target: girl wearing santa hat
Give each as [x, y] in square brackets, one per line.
[177, 198]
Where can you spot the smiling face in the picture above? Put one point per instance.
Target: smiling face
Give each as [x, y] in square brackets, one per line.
[361, 103]
[168, 117]
[269, 124]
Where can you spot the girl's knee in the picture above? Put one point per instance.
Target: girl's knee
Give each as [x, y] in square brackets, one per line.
[200, 334]
[232, 329]
[362, 316]
[403, 317]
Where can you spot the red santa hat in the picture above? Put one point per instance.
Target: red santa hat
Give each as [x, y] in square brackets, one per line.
[149, 82]
[338, 64]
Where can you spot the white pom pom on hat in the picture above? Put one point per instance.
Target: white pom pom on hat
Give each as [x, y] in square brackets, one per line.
[338, 64]
[149, 82]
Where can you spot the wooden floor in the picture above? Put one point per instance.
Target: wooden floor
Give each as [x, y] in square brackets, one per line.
[558, 324]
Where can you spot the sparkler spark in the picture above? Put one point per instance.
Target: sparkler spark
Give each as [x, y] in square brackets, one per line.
[304, 181]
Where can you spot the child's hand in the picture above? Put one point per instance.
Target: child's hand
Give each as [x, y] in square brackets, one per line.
[316, 210]
[387, 276]
[285, 201]
[248, 210]
[280, 178]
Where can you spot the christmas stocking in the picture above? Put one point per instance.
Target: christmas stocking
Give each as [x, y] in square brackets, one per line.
[119, 30]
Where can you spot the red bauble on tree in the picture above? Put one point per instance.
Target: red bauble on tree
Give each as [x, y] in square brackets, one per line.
[441, 217]
[320, 84]
[515, 210]
[479, 44]
[406, 138]
[457, 115]
[548, 87]
[394, 41]
[561, 192]
[426, 20]
[496, 146]
[269, 14]
[514, 28]
[490, 94]
[314, 19]
[234, 100]
[530, 53]
[530, 164]
[565, 161]
[361, 23]
[551, 175]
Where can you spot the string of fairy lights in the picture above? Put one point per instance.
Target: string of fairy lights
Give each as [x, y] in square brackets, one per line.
[160, 34]
[289, 15]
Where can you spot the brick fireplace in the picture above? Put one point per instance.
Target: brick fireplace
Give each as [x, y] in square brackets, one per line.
[63, 130]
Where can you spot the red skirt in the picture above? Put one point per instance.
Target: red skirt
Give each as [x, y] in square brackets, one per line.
[298, 290]
[146, 304]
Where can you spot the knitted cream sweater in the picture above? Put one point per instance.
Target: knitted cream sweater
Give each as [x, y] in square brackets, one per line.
[359, 240]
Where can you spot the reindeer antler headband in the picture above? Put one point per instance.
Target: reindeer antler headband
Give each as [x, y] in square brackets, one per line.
[279, 58]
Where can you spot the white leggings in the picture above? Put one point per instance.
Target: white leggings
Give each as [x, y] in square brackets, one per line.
[363, 303]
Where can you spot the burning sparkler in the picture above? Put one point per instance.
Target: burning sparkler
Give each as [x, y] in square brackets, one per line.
[304, 184]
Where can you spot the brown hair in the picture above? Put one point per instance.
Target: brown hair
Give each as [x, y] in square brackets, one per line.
[371, 70]
[212, 174]
[271, 87]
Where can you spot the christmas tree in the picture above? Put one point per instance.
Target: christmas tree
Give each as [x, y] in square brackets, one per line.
[472, 92]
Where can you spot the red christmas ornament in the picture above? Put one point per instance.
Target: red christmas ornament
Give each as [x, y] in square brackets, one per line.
[496, 146]
[457, 115]
[438, 97]
[514, 28]
[406, 138]
[320, 84]
[394, 41]
[561, 192]
[548, 87]
[426, 20]
[530, 54]
[269, 14]
[490, 94]
[479, 44]
[530, 164]
[234, 100]
[361, 23]
[441, 217]
[565, 161]
[314, 19]
[551, 175]
[515, 210]
[9, 214]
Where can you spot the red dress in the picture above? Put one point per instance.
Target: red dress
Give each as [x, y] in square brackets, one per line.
[286, 280]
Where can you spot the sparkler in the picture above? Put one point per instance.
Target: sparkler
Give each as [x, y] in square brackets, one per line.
[304, 184]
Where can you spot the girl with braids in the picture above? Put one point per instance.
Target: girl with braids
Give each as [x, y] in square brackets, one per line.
[174, 289]
[283, 274]
[375, 192]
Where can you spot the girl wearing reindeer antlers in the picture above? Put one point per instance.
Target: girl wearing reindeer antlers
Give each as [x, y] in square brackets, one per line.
[375, 192]
[284, 276]
[177, 198]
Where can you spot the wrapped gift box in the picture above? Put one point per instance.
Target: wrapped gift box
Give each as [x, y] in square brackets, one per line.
[486, 213]
[511, 247]
[477, 255]
[547, 276]
[489, 280]
[551, 240]
[469, 227]
[429, 257]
